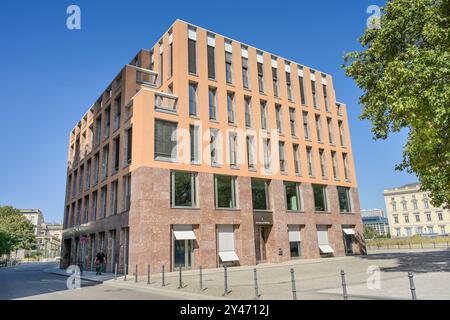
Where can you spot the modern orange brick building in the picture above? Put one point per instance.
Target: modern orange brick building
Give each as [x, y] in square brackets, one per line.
[205, 151]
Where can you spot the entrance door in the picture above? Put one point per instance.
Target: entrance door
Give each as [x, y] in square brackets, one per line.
[260, 243]
[348, 240]
[67, 253]
[182, 254]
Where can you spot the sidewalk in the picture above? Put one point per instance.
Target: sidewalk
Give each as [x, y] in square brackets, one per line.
[87, 275]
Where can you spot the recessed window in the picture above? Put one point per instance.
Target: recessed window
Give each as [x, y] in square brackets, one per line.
[323, 168]
[314, 90]
[107, 121]
[275, 77]
[105, 162]
[116, 156]
[293, 122]
[126, 192]
[263, 110]
[232, 143]
[231, 108]
[278, 118]
[260, 70]
[282, 157]
[267, 154]
[260, 194]
[103, 202]
[288, 81]
[293, 200]
[214, 146]
[114, 188]
[194, 143]
[301, 85]
[319, 128]
[165, 140]
[192, 50]
[309, 158]
[341, 133]
[248, 112]
[128, 147]
[245, 68]
[211, 56]
[193, 99]
[306, 125]
[297, 163]
[228, 61]
[346, 169]
[212, 99]
[320, 197]
[330, 131]
[335, 165]
[225, 191]
[344, 199]
[251, 152]
[184, 189]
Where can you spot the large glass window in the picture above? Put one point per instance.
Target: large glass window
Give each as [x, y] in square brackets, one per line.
[344, 199]
[184, 189]
[228, 61]
[306, 125]
[248, 112]
[245, 73]
[292, 191]
[193, 108]
[194, 143]
[293, 122]
[211, 56]
[212, 98]
[260, 69]
[263, 110]
[320, 197]
[231, 108]
[302, 89]
[165, 142]
[192, 54]
[225, 190]
[260, 194]
[278, 118]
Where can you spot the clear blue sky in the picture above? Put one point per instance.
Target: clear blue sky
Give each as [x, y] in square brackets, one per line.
[49, 76]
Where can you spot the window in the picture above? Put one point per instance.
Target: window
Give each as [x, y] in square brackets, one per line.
[309, 157]
[335, 165]
[228, 61]
[193, 99]
[394, 206]
[442, 229]
[79, 212]
[212, 98]
[341, 133]
[117, 111]
[192, 51]
[406, 218]
[232, 142]
[165, 140]
[94, 206]
[415, 206]
[319, 128]
[170, 54]
[408, 232]
[80, 179]
[96, 167]
[248, 112]
[293, 122]
[126, 192]
[306, 125]
[231, 108]
[428, 216]
[245, 68]
[184, 189]
[275, 77]
[103, 202]
[98, 130]
[344, 199]
[346, 173]
[214, 146]
[113, 196]
[417, 217]
[278, 118]
[251, 152]
[419, 230]
[320, 198]
[282, 156]
[74, 188]
[225, 191]
[426, 204]
[260, 194]
[194, 145]
[397, 232]
[267, 154]
[430, 229]
[297, 166]
[339, 109]
[128, 149]
[88, 175]
[107, 121]
[260, 67]
[288, 81]
[440, 217]
[116, 146]
[313, 90]
[105, 162]
[211, 56]
[325, 93]
[86, 210]
[301, 85]
[323, 168]
[292, 191]
[263, 109]
[330, 131]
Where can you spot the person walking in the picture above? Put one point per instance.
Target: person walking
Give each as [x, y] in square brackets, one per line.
[99, 260]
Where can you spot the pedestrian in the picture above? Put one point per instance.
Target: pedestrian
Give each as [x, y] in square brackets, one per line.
[99, 260]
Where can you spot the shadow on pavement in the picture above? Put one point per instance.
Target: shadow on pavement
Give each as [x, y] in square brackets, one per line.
[418, 262]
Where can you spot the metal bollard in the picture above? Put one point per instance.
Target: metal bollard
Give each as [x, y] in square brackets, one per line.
[201, 279]
[434, 244]
[115, 271]
[410, 245]
[421, 245]
[163, 279]
[148, 273]
[180, 279]
[125, 271]
[411, 285]
[136, 273]
[257, 295]
[294, 289]
[344, 285]
[225, 279]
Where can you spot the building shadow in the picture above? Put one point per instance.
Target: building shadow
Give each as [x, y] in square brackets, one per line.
[417, 262]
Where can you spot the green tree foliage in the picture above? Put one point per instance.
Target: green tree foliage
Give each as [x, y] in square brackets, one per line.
[369, 233]
[16, 232]
[404, 72]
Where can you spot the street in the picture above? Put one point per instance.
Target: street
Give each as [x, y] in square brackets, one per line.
[30, 281]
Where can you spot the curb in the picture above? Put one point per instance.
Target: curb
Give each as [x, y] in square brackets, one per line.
[68, 275]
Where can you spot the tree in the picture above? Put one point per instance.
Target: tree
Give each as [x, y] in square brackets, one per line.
[369, 233]
[404, 72]
[16, 232]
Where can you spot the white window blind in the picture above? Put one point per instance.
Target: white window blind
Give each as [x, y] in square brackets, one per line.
[226, 243]
[259, 57]
[183, 232]
[287, 67]
[170, 38]
[300, 71]
[192, 34]
[228, 46]
[244, 52]
[322, 235]
[274, 63]
[324, 79]
[313, 76]
[294, 233]
[211, 40]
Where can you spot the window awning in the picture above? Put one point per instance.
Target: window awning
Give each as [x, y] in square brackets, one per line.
[228, 256]
[325, 249]
[348, 231]
[183, 232]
